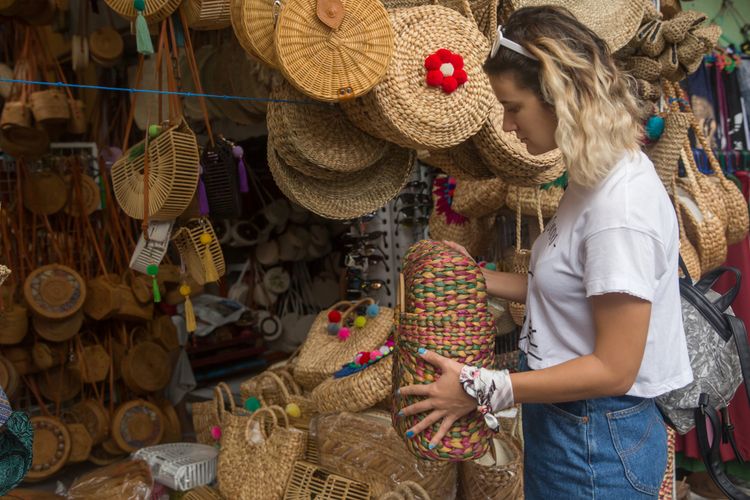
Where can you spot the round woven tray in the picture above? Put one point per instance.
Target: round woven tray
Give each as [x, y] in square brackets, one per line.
[334, 64]
[137, 424]
[508, 157]
[52, 447]
[318, 140]
[349, 195]
[58, 330]
[173, 175]
[44, 193]
[156, 10]
[55, 291]
[402, 108]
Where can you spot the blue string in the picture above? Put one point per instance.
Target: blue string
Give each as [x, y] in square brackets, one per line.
[162, 92]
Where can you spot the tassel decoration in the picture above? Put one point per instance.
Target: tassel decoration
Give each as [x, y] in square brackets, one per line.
[152, 270]
[239, 154]
[190, 323]
[203, 207]
[208, 262]
[142, 36]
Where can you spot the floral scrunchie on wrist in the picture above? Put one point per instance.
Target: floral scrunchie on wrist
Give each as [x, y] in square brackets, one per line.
[491, 388]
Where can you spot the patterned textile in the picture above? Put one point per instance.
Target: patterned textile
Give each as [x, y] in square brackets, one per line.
[16, 446]
[5, 409]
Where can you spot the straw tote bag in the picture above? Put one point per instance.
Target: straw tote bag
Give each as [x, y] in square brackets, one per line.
[702, 227]
[212, 413]
[258, 455]
[323, 354]
[433, 108]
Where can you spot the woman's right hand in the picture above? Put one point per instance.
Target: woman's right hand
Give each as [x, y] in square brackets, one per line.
[455, 246]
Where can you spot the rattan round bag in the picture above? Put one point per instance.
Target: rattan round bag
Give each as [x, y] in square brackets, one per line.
[173, 160]
[156, 10]
[137, 424]
[52, 446]
[55, 291]
[435, 94]
[333, 49]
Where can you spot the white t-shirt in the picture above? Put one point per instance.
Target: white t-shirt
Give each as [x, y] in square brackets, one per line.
[618, 237]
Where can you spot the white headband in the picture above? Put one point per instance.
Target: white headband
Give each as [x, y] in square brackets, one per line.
[509, 44]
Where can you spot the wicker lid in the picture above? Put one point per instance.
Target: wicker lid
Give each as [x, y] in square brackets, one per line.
[319, 140]
[55, 291]
[44, 192]
[58, 330]
[106, 44]
[508, 157]
[407, 110]
[52, 446]
[333, 63]
[615, 21]
[137, 424]
[259, 19]
[349, 195]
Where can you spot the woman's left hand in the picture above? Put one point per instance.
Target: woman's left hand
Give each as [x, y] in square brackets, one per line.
[446, 399]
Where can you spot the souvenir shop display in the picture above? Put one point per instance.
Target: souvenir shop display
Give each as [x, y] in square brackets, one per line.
[227, 220]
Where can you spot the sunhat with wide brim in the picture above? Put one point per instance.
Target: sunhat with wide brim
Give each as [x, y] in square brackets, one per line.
[349, 195]
[615, 21]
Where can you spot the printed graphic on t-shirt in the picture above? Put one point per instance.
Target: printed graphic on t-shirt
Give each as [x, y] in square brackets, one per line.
[532, 349]
[551, 231]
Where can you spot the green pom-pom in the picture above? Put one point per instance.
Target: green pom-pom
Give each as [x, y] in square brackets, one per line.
[360, 321]
[491, 266]
[139, 5]
[154, 131]
[152, 269]
[252, 404]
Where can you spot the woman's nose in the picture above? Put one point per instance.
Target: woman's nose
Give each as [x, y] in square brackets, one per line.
[508, 125]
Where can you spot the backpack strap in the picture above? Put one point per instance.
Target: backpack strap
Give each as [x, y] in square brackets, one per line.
[737, 327]
[709, 450]
[710, 278]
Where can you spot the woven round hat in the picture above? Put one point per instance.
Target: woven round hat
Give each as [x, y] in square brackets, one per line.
[333, 50]
[350, 195]
[318, 140]
[615, 21]
[435, 94]
[508, 157]
[106, 46]
[156, 10]
[55, 291]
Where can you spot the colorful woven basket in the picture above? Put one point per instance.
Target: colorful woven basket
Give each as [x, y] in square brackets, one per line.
[445, 311]
[435, 94]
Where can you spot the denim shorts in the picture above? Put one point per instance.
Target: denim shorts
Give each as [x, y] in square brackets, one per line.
[608, 448]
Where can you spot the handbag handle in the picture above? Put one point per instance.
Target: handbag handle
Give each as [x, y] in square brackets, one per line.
[354, 306]
[286, 396]
[737, 326]
[219, 391]
[710, 279]
[709, 451]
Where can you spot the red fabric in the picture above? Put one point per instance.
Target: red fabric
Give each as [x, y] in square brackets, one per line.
[739, 409]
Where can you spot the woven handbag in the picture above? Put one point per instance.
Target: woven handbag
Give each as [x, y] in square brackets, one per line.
[702, 227]
[173, 160]
[507, 157]
[52, 447]
[358, 392]
[444, 309]
[209, 414]
[665, 154]
[156, 10]
[530, 200]
[364, 447]
[258, 454]
[284, 391]
[496, 476]
[201, 251]
[433, 108]
[327, 71]
[206, 14]
[323, 354]
[309, 480]
[221, 180]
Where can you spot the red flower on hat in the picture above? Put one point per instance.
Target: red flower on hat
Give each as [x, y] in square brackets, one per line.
[445, 69]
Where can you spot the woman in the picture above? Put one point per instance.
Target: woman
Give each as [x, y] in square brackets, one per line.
[603, 331]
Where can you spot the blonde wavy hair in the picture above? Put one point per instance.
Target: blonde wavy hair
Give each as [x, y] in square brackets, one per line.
[599, 117]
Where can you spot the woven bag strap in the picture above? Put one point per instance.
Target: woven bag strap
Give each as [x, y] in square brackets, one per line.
[193, 65]
[291, 384]
[354, 306]
[133, 101]
[221, 390]
[265, 411]
[49, 57]
[691, 171]
[518, 218]
[276, 379]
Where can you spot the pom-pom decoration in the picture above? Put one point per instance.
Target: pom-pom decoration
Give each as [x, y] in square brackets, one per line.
[654, 127]
[293, 410]
[216, 432]
[252, 404]
[343, 333]
[334, 316]
[445, 70]
[333, 328]
[373, 310]
[360, 321]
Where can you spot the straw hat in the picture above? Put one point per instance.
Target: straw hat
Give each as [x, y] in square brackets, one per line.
[615, 21]
[349, 195]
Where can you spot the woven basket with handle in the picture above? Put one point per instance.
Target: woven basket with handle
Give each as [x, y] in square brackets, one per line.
[206, 14]
[403, 108]
[323, 354]
[195, 254]
[312, 481]
[156, 10]
[358, 392]
[208, 414]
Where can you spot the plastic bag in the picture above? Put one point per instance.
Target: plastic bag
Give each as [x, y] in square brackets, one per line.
[126, 480]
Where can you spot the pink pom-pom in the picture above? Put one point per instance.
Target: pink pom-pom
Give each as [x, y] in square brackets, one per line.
[216, 432]
[343, 333]
[376, 354]
[450, 84]
[432, 62]
[434, 78]
[457, 61]
[238, 152]
[390, 343]
[444, 55]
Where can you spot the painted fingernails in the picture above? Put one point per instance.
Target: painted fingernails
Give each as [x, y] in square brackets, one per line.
[421, 351]
[410, 434]
[432, 446]
[401, 413]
